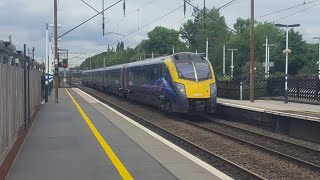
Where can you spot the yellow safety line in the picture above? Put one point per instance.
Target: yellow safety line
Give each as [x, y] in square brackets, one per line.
[107, 149]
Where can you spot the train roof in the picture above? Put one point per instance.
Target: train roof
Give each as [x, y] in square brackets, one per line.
[148, 61]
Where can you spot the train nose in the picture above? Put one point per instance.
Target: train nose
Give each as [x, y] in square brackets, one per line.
[197, 90]
[196, 105]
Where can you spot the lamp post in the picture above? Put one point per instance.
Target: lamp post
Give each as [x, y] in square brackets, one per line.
[287, 51]
[56, 68]
[47, 61]
[319, 56]
[232, 66]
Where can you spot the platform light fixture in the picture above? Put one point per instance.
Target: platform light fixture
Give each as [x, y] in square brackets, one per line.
[287, 51]
[232, 66]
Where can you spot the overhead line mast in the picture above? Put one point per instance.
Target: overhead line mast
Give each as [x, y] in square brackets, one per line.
[252, 53]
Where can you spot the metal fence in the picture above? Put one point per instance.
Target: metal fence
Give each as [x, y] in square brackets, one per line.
[13, 101]
[300, 88]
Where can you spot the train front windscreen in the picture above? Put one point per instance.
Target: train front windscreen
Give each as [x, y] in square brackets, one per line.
[192, 67]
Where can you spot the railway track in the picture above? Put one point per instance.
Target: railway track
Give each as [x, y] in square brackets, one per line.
[264, 164]
[224, 165]
[293, 152]
[296, 150]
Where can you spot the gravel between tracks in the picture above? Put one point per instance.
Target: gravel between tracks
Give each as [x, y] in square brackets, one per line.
[264, 164]
[268, 133]
[309, 155]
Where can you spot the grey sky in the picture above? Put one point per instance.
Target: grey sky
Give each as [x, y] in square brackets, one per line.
[25, 20]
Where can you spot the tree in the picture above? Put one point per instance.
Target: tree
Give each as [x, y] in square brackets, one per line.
[161, 41]
[120, 46]
[213, 26]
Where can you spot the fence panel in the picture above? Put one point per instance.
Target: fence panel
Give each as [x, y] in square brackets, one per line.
[12, 102]
[229, 89]
[305, 88]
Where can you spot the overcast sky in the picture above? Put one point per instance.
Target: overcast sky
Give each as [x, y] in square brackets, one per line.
[25, 20]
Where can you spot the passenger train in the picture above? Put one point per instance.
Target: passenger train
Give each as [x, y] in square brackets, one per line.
[178, 83]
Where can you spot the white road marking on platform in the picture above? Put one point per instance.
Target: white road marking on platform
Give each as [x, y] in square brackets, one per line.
[198, 161]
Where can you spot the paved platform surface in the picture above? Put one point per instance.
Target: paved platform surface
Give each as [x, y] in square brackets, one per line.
[60, 145]
[291, 109]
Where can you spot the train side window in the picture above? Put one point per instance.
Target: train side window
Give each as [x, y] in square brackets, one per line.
[164, 71]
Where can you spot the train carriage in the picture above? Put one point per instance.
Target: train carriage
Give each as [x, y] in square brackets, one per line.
[181, 83]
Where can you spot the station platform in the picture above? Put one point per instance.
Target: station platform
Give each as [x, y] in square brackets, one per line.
[82, 138]
[291, 109]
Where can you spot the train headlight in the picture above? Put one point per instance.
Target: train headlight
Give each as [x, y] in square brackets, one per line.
[213, 89]
[180, 88]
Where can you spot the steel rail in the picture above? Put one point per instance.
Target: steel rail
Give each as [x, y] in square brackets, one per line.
[268, 150]
[264, 136]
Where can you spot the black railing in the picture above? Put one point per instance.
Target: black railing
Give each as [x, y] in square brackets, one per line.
[300, 88]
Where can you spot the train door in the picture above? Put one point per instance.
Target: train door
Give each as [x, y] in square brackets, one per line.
[121, 83]
[125, 77]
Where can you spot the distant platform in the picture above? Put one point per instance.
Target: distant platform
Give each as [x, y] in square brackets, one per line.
[291, 109]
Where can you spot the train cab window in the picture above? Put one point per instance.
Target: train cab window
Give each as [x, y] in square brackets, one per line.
[192, 67]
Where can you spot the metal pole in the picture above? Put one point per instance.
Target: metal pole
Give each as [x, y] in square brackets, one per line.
[319, 61]
[152, 54]
[231, 63]
[173, 50]
[104, 62]
[46, 88]
[56, 68]
[252, 53]
[103, 18]
[224, 60]
[266, 62]
[90, 63]
[207, 49]
[241, 90]
[25, 85]
[286, 76]
[28, 89]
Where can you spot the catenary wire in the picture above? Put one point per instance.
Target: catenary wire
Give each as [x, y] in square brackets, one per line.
[89, 19]
[144, 5]
[292, 7]
[297, 12]
[147, 24]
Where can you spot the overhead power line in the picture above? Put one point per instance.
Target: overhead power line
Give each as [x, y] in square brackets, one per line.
[180, 20]
[227, 4]
[148, 24]
[89, 19]
[144, 5]
[297, 12]
[90, 6]
[292, 7]
[196, 8]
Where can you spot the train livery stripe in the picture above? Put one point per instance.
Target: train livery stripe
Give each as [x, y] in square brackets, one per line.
[112, 156]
